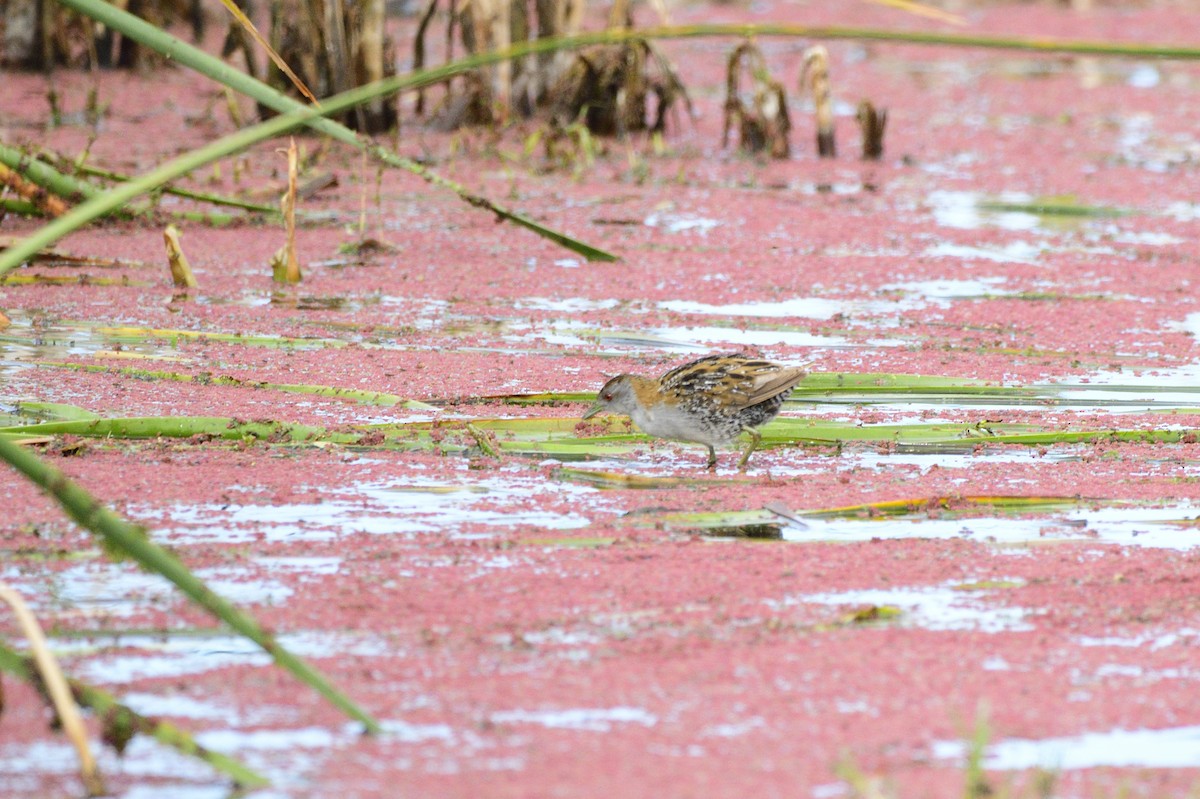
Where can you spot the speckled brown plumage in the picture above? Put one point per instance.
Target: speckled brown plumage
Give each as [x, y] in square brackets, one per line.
[709, 401]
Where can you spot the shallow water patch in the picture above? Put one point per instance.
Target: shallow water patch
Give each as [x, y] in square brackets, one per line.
[466, 510]
[579, 335]
[1016, 211]
[945, 607]
[585, 719]
[104, 589]
[1175, 526]
[1159, 528]
[1171, 747]
[124, 657]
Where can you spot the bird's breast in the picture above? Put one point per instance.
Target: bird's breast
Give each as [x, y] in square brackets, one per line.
[667, 421]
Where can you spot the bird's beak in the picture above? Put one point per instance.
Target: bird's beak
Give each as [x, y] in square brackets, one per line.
[592, 411]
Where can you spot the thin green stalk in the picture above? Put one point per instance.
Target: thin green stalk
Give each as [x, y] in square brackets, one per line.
[123, 718]
[132, 541]
[1039, 45]
[213, 218]
[205, 197]
[193, 57]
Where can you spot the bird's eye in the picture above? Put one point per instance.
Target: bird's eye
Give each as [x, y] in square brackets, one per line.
[608, 395]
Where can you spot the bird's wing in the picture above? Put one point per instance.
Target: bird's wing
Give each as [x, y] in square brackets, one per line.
[768, 384]
[687, 375]
[730, 381]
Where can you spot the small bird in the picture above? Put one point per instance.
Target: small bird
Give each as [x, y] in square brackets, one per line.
[709, 401]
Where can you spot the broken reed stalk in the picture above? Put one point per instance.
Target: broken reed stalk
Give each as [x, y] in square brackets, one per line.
[285, 265]
[765, 125]
[485, 443]
[873, 123]
[105, 706]
[815, 77]
[181, 270]
[41, 199]
[56, 689]
[132, 541]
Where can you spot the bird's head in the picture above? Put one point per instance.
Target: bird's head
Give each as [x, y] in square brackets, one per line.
[616, 396]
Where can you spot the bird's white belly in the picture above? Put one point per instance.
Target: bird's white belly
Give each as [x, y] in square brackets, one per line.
[668, 422]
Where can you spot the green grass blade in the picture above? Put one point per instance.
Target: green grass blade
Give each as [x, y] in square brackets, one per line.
[1049, 208]
[142, 334]
[119, 534]
[607, 436]
[212, 427]
[818, 384]
[123, 719]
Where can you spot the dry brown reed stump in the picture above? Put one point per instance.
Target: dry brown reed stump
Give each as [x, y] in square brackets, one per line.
[762, 122]
[814, 76]
[611, 85]
[873, 123]
[285, 263]
[181, 270]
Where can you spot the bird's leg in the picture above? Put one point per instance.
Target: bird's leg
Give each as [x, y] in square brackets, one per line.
[712, 457]
[755, 438]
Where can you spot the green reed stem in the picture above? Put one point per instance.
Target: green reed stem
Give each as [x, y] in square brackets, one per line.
[121, 716]
[129, 540]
